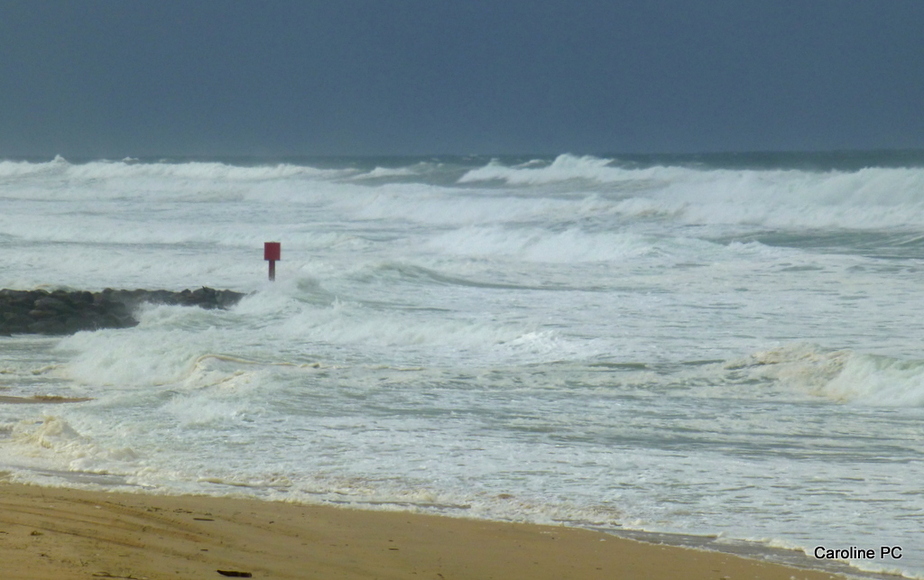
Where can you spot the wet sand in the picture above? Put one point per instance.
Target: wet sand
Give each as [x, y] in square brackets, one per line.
[53, 533]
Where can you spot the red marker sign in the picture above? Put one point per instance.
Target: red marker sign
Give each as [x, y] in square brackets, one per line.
[272, 251]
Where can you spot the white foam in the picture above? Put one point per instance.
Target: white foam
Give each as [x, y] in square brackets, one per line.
[380, 172]
[408, 337]
[528, 343]
[571, 245]
[222, 402]
[52, 443]
[864, 199]
[563, 168]
[842, 376]
[878, 380]
[130, 359]
[102, 171]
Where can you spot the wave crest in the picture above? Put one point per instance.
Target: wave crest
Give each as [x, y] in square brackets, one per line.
[564, 168]
[844, 376]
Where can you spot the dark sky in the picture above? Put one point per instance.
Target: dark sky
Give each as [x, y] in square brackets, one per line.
[115, 78]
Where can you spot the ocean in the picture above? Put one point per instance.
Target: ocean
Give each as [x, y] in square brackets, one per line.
[719, 350]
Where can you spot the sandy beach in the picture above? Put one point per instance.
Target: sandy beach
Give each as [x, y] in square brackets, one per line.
[53, 533]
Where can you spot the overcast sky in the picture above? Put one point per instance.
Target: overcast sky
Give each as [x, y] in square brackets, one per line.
[122, 78]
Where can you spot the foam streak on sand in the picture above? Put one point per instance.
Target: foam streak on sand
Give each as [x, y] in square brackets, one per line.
[58, 533]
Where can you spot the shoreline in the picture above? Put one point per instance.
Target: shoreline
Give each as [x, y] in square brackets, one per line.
[51, 533]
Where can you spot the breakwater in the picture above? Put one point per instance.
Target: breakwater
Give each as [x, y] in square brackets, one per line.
[67, 312]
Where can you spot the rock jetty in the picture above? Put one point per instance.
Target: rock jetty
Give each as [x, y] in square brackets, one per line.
[67, 312]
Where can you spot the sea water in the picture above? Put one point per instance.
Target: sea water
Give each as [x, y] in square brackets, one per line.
[721, 347]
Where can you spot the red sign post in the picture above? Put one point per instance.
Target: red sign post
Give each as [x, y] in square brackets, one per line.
[272, 251]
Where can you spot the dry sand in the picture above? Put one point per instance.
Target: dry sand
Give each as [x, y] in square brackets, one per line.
[51, 533]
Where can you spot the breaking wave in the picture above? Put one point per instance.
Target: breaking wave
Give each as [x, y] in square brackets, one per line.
[842, 376]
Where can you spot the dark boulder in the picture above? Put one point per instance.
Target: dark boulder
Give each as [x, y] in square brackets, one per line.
[52, 304]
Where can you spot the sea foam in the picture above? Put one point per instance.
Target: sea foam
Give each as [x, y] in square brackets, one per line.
[690, 347]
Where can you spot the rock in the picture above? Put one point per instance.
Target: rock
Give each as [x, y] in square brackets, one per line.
[63, 312]
[52, 304]
[48, 326]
